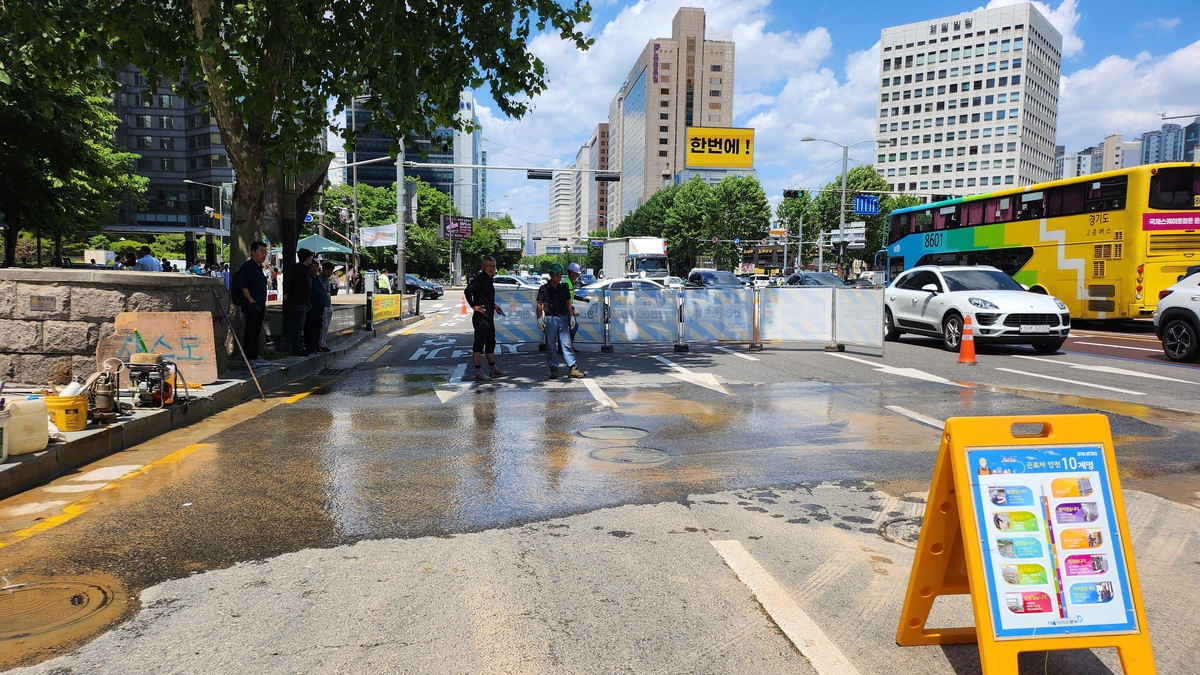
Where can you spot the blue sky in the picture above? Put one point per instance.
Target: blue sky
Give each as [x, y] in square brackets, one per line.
[812, 69]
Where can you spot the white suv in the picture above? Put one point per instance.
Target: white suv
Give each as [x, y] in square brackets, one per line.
[934, 300]
[1177, 319]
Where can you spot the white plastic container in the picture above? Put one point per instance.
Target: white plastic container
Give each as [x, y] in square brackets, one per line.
[28, 426]
[4, 435]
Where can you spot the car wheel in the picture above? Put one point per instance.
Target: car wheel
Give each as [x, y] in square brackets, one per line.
[1180, 341]
[889, 327]
[952, 331]
[1048, 347]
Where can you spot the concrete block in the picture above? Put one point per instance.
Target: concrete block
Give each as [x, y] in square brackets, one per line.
[38, 369]
[21, 336]
[42, 301]
[8, 298]
[82, 367]
[65, 337]
[6, 366]
[151, 301]
[95, 304]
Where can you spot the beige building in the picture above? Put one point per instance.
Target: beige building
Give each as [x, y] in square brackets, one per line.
[1119, 153]
[677, 82]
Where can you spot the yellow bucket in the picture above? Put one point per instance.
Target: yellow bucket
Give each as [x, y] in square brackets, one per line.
[69, 412]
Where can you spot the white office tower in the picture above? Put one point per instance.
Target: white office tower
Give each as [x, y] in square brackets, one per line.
[968, 103]
[468, 145]
[561, 226]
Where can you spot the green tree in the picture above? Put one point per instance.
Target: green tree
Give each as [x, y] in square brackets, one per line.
[271, 71]
[595, 255]
[684, 227]
[99, 242]
[859, 180]
[647, 220]
[793, 215]
[738, 210]
[62, 171]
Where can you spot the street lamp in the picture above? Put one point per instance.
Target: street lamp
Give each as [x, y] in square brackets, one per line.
[841, 211]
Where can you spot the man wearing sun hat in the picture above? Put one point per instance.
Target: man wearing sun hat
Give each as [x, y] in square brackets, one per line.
[554, 314]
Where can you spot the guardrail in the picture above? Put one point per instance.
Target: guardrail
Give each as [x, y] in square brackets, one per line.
[833, 317]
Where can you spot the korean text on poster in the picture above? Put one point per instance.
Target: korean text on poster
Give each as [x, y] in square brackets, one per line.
[720, 147]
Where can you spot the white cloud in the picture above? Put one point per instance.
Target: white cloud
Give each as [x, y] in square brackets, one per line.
[1120, 95]
[1065, 18]
[1153, 25]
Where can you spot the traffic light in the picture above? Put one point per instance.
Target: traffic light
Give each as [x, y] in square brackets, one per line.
[793, 194]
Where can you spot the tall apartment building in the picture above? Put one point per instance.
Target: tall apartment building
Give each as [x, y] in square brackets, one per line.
[1119, 153]
[446, 146]
[969, 102]
[677, 82]
[178, 141]
[1074, 164]
[1164, 145]
[561, 226]
[597, 206]
[585, 186]
[1191, 141]
[615, 157]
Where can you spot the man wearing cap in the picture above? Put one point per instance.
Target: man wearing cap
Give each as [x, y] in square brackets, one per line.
[554, 314]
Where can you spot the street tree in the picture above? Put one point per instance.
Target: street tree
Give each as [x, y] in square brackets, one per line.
[859, 180]
[738, 210]
[686, 224]
[271, 71]
[793, 215]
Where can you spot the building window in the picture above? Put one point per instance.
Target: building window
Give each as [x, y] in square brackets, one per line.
[1008, 180]
[717, 80]
[663, 116]
[662, 153]
[664, 128]
[143, 142]
[145, 164]
[166, 164]
[166, 143]
[714, 92]
[166, 122]
[714, 106]
[716, 69]
[165, 101]
[664, 104]
[714, 118]
[663, 141]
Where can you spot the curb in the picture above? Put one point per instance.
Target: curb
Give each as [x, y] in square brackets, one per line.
[23, 472]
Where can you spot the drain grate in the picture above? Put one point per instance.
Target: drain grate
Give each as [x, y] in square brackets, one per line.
[42, 607]
[903, 531]
[630, 454]
[614, 433]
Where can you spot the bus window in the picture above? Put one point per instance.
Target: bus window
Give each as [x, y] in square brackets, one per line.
[973, 213]
[1175, 189]
[1031, 206]
[1073, 198]
[923, 221]
[998, 210]
[1053, 201]
[1108, 194]
[945, 218]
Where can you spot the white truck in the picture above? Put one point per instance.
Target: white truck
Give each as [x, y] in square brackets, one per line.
[635, 257]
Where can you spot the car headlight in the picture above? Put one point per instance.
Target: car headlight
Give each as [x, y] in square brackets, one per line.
[1060, 304]
[981, 303]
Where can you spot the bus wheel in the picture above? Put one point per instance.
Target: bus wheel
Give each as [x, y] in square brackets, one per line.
[889, 326]
[1039, 290]
[952, 331]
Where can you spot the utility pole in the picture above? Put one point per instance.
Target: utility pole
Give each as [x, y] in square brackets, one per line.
[842, 215]
[401, 213]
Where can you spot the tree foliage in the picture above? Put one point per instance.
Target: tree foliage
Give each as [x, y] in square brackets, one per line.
[272, 70]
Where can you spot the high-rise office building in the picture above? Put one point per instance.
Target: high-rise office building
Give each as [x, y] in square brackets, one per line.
[597, 206]
[969, 103]
[614, 158]
[585, 187]
[677, 82]
[446, 146]
[178, 141]
[1163, 145]
[1191, 141]
[560, 229]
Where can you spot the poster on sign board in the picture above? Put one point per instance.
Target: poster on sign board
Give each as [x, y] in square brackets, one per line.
[720, 147]
[1051, 545]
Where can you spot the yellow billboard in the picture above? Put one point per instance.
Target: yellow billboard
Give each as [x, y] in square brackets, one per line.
[385, 307]
[720, 147]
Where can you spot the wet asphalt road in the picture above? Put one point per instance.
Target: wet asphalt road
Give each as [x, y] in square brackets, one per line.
[389, 445]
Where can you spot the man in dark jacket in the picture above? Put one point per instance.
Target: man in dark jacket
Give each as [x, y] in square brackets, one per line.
[481, 296]
[318, 299]
[297, 285]
[253, 287]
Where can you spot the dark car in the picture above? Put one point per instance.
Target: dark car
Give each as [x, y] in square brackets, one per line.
[708, 278]
[814, 279]
[863, 283]
[427, 289]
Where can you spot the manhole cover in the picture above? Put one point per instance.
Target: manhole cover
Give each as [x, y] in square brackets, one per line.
[903, 531]
[630, 455]
[614, 433]
[37, 608]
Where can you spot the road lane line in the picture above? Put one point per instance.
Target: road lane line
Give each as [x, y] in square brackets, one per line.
[916, 416]
[740, 356]
[1108, 369]
[1101, 344]
[902, 372]
[706, 380]
[1077, 382]
[378, 353]
[808, 637]
[297, 397]
[598, 394]
[457, 377]
[76, 509]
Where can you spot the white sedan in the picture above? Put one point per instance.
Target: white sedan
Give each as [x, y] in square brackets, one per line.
[933, 300]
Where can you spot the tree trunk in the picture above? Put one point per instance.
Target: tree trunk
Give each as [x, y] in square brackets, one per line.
[10, 245]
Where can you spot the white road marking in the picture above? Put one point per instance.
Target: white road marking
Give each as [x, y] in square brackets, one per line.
[598, 394]
[1076, 382]
[1107, 369]
[737, 354]
[1115, 336]
[1100, 344]
[454, 386]
[916, 416]
[808, 637]
[459, 371]
[706, 380]
[902, 372]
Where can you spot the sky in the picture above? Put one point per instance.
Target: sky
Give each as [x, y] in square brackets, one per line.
[812, 69]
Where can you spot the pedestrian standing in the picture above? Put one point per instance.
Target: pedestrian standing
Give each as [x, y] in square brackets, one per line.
[252, 287]
[572, 282]
[481, 296]
[555, 316]
[318, 298]
[327, 313]
[146, 261]
[298, 287]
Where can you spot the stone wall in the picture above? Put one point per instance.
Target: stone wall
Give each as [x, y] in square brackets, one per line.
[51, 319]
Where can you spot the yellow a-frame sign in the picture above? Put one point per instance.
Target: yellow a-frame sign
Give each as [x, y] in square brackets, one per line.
[1031, 525]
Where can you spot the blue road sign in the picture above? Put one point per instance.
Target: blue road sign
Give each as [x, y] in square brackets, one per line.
[866, 205]
[308, 217]
[597, 242]
[737, 241]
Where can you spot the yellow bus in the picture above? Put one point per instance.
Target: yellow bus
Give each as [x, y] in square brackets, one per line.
[1105, 244]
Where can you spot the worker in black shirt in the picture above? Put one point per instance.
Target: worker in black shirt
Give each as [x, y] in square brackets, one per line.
[481, 296]
[555, 315]
[318, 297]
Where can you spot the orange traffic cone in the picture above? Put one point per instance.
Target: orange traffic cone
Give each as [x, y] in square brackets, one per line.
[966, 346]
[464, 306]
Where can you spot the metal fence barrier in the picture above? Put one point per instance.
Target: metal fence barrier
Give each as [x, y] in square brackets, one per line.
[822, 315]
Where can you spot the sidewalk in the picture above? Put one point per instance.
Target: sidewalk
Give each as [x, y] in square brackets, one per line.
[22, 472]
